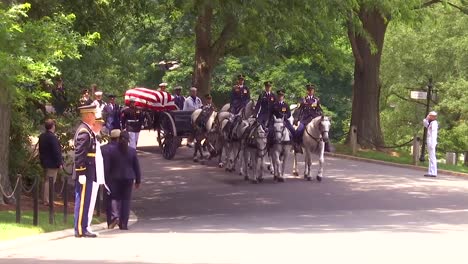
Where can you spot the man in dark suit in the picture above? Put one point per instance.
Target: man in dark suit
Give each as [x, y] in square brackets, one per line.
[85, 169]
[179, 99]
[50, 155]
[112, 114]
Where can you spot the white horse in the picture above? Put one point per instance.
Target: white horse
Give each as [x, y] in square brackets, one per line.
[255, 150]
[200, 132]
[233, 131]
[313, 142]
[280, 148]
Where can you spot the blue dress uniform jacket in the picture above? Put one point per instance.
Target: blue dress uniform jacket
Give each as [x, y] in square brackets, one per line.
[240, 97]
[310, 109]
[264, 107]
[132, 119]
[179, 101]
[281, 110]
[85, 164]
[50, 152]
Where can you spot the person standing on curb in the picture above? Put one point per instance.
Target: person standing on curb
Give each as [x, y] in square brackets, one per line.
[430, 122]
[84, 169]
[50, 155]
[122, 170]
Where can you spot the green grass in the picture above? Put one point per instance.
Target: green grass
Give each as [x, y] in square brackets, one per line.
[397, 157]
[9, 229]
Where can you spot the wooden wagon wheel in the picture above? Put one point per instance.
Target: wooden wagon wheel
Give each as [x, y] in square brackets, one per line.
[167, 136]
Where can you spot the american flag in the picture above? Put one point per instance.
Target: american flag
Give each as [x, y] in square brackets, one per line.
[150, 99]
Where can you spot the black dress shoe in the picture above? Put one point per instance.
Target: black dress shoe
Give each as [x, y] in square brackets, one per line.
[123, 228]
[89, 234]
[430, 175]
[78, 236]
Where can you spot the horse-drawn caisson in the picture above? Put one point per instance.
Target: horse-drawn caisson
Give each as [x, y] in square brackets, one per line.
[171, 124]
[243, 137]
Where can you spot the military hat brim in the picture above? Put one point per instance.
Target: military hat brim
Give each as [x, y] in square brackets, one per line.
[87, 109]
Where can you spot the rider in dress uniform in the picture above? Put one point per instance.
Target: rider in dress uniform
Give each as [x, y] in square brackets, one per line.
[240, 95]
[281, 110]
[132, 120]
[84, 169]
[309, 109]
[264, 106]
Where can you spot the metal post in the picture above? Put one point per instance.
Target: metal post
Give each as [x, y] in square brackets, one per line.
[51, 200]
[98, 202]
[416, 150]
[65, 200]
[36, 202]
[18, 198]
[354, 139]
[428, 104]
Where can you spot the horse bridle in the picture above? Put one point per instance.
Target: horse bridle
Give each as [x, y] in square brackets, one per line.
[320, 130]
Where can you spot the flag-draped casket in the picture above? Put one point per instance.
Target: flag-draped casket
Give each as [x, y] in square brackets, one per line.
[150, 99]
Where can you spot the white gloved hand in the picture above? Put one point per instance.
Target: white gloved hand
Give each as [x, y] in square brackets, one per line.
[82, 179]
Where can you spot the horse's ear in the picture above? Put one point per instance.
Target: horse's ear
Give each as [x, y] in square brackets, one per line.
[323, 117]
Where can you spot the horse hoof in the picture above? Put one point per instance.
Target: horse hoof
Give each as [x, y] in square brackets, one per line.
[220, 165]
[295, 173]
[280, 179]
[308, 178]
[195, 160]
[246, 178]
[260, 179]
[319, 178]
[275, 178]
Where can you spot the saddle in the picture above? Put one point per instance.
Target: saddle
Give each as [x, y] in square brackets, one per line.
[203, 117]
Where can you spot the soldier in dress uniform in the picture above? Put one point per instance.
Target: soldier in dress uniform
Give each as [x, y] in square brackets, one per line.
[264, 106]
[309, 109]
[162, 87]
[84, 170]
[240, 95]
[206, 112]
[98, 102]
[179, 99]
[281, 110]
[85, 99]
[132, 120]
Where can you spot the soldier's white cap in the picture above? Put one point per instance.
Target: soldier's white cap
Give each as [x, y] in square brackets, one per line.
[193, 89]
[433, 113]
[162, 84]
[98, 93]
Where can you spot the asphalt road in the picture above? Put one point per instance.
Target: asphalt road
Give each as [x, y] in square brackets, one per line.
[359, 213]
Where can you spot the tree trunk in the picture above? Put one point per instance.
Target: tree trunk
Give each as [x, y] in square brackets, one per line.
[207, 51]
[366, 87]
[5, 118]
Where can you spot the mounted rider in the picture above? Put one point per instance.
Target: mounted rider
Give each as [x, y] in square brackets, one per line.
[207, 110]
[309, 109]
[240, 95]
[264, 106]
[281, 110]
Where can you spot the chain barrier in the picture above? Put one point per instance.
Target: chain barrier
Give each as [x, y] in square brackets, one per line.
[14, 189]
[408, 143]
[25, 189]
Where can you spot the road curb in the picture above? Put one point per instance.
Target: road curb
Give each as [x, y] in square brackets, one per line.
[406, 166]
[56, 235]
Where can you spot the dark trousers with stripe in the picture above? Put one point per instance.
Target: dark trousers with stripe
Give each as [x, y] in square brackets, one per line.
[82, 202]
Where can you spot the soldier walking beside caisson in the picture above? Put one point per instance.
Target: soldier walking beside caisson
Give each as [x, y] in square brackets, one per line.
[85, 170]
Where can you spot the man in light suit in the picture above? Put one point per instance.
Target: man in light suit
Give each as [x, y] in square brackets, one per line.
[430, 122]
